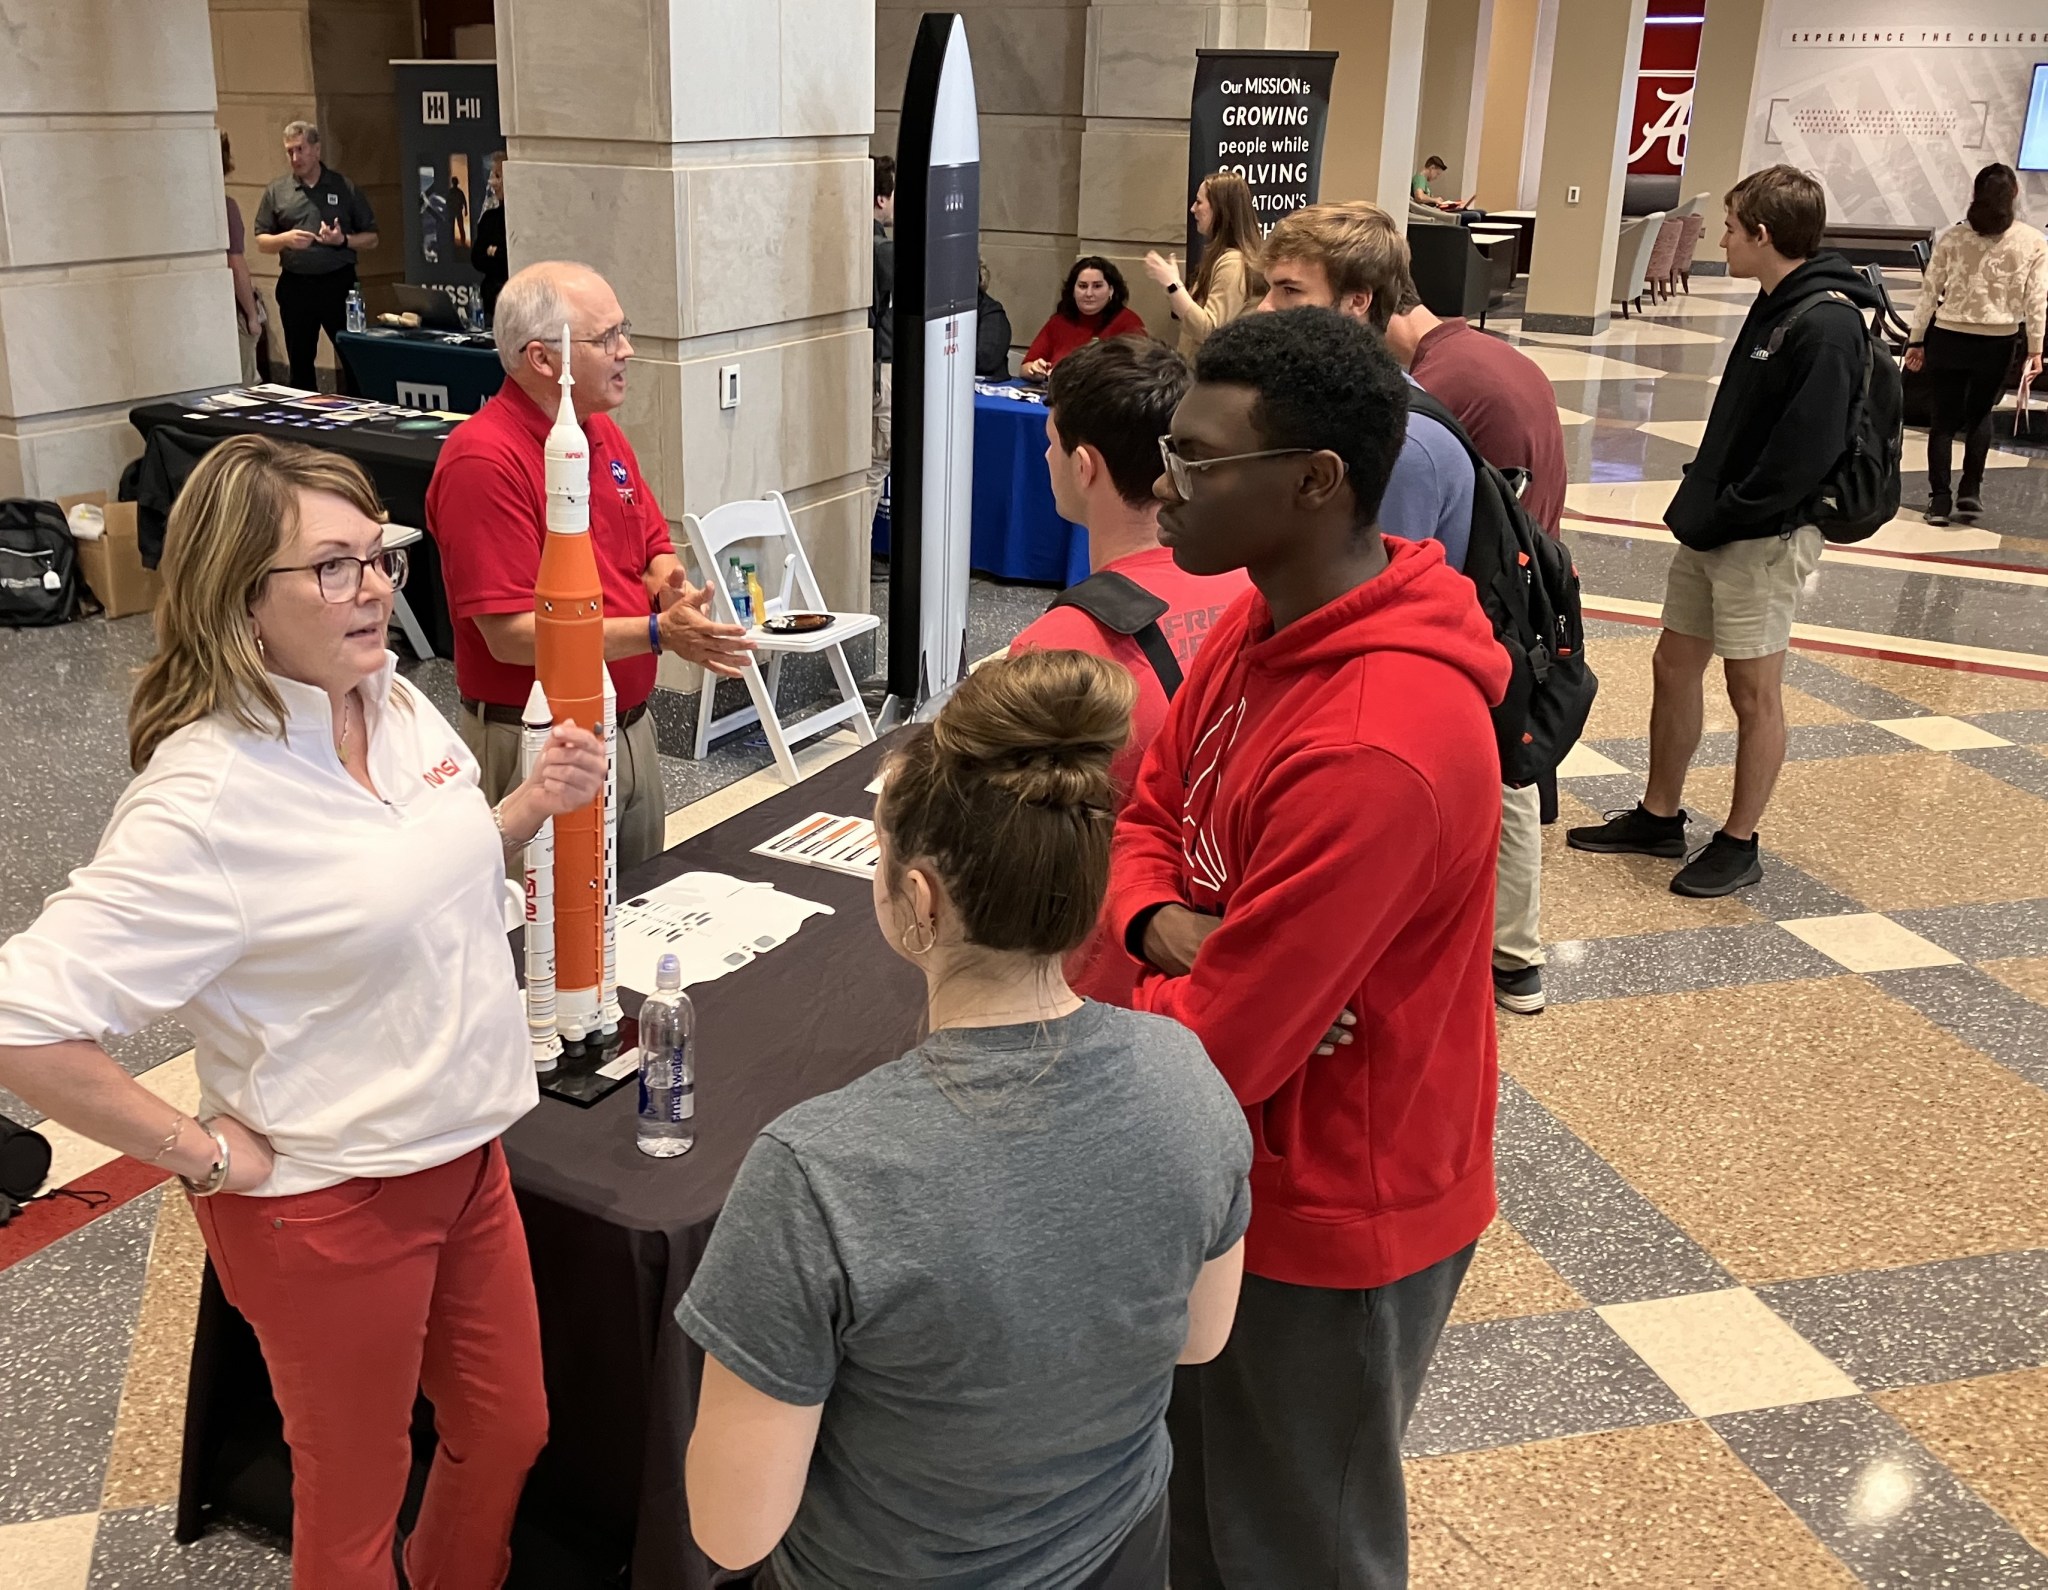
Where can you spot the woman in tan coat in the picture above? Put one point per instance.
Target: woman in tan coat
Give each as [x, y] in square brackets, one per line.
[1227, 282]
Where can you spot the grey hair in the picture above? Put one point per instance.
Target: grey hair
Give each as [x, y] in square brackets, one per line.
[530, 309]
[302, 129]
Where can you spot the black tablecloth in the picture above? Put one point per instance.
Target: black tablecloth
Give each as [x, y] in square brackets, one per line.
[420, 369]
[399, 464]
[615, 1236]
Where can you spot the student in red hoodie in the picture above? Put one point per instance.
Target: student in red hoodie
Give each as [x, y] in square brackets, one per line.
[1305, 872]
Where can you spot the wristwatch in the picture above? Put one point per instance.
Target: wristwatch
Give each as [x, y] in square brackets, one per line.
[217, 1176]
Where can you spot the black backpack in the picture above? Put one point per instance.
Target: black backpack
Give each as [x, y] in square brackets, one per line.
[1861, 494]
[1529, 591]
[39, 581]
[1121, 605]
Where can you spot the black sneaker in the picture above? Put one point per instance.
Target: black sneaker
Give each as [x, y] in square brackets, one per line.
[1969, 509]
[1720, 866]
[1937, 511]
[1519, 991]
[1633, 832]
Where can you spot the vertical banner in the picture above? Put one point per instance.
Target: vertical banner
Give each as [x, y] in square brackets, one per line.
[931, 473]
[1262, 114]
[447, 132]
[1663, 98]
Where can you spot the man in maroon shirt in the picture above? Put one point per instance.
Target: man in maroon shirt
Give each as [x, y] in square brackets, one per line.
[487, 511]
[1499, 394]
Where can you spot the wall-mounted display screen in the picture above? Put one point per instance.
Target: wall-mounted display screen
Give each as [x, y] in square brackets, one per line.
[2034, 136]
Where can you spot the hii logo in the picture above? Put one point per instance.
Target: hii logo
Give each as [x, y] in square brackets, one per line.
[955, 203]
[434, 107]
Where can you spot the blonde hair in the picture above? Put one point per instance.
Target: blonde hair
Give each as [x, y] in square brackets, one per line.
[237, 513]
[1357, 245]
[1233, 224]
[1007, 795]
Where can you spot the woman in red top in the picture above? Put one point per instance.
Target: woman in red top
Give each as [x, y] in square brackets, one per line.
[1094, 305]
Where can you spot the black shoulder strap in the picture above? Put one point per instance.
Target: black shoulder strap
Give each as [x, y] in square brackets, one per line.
[1798, 312]
[1124, 607]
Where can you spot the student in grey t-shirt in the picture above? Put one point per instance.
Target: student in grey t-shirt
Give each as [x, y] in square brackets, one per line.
[943, 1305]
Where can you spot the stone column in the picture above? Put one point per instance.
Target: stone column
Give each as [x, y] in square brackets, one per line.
[1134, 142]
[114, 284]
[711, 160]
[1454, 82]
[1720, 115]
[1376, 99]
[327, 62]
[1028, 77]
[1585, 147]
[1510, 60]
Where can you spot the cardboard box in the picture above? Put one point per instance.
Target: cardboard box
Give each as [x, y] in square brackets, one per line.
[112, 566]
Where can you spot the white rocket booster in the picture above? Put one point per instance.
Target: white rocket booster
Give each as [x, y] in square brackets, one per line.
[609, 1015]
[546, 1043]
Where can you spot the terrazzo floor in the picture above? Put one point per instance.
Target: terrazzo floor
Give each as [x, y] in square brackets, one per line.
[1767, 1303]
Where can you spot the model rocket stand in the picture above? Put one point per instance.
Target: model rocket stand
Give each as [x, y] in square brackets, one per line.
[572, 1007]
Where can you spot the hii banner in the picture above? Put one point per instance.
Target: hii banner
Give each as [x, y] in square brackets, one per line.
[447, 132]
[1262, 114]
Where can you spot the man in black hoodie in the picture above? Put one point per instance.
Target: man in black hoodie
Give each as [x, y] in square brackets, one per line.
[1781, 421]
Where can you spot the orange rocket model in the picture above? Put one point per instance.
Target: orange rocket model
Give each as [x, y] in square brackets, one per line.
[568, 612]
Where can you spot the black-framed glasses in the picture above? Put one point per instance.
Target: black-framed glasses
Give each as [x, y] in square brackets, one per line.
[1181, 471]
[341, 577]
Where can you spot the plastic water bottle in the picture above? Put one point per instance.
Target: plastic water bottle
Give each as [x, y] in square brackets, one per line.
[668, 1065]
[742, 598]
[358, 319]
[476, 312]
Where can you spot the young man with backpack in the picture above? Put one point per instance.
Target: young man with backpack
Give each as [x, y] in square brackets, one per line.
[1351, 258]
[1305, 871]
[1791, 446]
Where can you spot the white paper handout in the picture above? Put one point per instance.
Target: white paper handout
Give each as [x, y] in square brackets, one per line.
[838, 844]
[711, 923]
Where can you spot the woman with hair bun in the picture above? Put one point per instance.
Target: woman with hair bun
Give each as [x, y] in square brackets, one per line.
[942, 1309]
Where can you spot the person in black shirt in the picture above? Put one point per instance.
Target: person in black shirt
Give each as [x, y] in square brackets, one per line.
[487, 253]
[316, 222]
[991, 334]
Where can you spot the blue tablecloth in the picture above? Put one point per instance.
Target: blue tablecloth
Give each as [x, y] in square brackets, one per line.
[1018, 533]
[417, 370]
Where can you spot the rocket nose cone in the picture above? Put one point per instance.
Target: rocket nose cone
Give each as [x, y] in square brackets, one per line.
[537, 712]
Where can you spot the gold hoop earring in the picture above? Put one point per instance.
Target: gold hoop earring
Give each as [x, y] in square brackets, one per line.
[931, 937]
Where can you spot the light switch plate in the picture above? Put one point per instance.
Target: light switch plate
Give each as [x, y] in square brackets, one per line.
[1571, 194]
[729, 386]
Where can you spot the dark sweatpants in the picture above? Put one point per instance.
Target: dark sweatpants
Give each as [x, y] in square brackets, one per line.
[1287, 1448]
[308, 305]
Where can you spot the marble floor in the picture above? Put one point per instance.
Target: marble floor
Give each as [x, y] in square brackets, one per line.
[1767, 1303]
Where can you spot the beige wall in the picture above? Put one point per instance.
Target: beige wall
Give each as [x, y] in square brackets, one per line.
[1509, 64]
[724, 190]
[1720, 110]
[1585, 145]
[1455, 74]
[1375, 99]
[112, 230]
[1029, 73]
[327, 62]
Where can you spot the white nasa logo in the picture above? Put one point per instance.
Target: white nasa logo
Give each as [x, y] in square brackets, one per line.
[434, 107]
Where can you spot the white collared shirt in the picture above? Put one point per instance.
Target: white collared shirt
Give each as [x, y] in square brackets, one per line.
[339, 958]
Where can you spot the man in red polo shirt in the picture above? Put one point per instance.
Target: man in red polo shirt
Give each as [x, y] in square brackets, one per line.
[487, 511]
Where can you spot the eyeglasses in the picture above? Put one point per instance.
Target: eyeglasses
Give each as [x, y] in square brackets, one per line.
[341, 578]
[607, 340]
[1181, 471]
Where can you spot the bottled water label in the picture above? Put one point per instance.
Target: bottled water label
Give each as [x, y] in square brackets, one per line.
[673, 1104]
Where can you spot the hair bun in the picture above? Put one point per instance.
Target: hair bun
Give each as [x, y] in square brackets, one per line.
[1044, 726]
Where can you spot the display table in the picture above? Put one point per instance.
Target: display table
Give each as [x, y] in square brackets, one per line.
[421, 369]
[615, 1236]
[1018, 533]
[399, 462]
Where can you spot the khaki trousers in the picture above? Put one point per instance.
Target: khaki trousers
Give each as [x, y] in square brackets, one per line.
[643, 805]
[1518, 881]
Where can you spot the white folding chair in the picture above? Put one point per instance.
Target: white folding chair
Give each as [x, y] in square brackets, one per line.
[404, 535]
[765, 522]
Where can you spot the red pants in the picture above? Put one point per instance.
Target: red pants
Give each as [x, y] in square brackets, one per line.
[362, 1295]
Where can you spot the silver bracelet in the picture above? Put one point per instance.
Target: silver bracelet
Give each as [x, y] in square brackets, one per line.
[505, 840]
[217, 1177]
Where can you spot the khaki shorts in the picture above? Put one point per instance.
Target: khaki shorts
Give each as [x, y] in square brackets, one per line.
[1742, 596]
